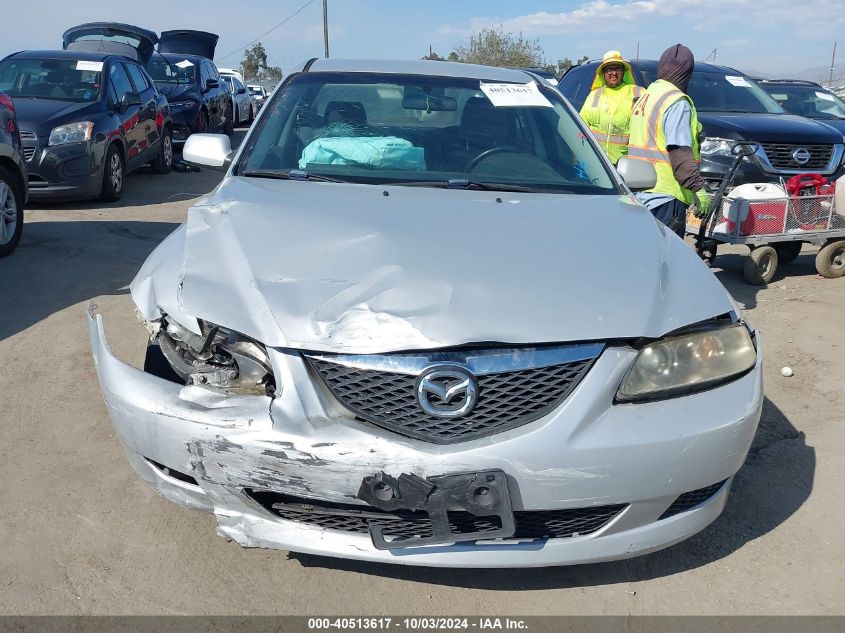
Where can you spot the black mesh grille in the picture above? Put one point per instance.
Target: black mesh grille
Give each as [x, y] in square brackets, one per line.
[29, 141]
[780, 155]
[534, 524]
[505, 400]
[689, 500]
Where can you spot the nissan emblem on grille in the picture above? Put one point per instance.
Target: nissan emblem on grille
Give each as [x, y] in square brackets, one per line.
[801, 156]
[447, 392]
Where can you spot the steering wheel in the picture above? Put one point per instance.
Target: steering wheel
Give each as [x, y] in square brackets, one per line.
[490, 152]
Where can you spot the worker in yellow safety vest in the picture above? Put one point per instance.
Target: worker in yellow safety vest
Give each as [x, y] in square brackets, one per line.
[665, 132]
[607, 110]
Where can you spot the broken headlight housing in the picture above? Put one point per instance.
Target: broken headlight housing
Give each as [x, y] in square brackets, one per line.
[689, 362]
[219, 358]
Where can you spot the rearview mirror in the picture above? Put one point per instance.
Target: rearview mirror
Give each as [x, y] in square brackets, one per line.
[429, 103]
[211, 83]
[241, 91]
[637, 174]
[208, 150]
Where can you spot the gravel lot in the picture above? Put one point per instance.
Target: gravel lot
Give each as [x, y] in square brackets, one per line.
[80, 533]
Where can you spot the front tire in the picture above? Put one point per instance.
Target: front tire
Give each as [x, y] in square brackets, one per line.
[114, 175]
[163, 162]
[11, 212]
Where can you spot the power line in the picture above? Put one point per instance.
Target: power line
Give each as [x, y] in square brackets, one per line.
[291, 16]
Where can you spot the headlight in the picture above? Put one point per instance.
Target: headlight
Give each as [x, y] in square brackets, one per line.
[71, 133]
[716, 147]
[220, 358]
[181, 106]
[689, 362]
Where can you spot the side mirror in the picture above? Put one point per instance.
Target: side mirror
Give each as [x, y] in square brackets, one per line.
[128, 100]
[637, 174]
[211, 83]
[208, 150]
[241, 91]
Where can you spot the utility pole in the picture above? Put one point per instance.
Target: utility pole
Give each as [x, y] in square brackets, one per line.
[638, 50]
[326, 27]
[832, 64]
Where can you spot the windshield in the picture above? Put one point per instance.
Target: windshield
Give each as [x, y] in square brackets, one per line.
[724, 92]
[425, 131]
[179, 72]
[57, 79]
[813, 102]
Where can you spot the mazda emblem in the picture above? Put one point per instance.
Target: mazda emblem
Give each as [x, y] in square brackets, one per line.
[801, 156]
[446, 391]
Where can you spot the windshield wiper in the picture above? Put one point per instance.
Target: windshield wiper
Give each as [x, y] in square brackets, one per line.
[463, 183]
[291, 174]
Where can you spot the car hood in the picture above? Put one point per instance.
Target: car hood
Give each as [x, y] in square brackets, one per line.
[42, 115]
[774, 128]
[365, 269]
[177, 92]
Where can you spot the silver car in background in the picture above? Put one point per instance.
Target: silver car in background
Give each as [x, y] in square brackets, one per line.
[422, 321]
[243, 110]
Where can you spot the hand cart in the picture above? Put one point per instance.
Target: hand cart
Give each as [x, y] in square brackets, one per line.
[773, 229]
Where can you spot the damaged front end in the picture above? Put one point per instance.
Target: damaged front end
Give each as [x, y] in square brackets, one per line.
[217, 358]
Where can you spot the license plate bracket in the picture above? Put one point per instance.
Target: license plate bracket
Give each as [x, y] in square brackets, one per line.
[482, 493]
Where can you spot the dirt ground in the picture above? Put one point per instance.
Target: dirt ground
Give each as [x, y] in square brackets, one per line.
[81, 534]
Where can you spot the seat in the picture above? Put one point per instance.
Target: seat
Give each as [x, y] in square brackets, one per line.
[484, 126]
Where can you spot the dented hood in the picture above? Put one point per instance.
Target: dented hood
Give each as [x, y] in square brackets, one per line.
[364, 269]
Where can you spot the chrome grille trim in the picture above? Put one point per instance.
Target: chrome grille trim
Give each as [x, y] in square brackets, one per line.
[515, 385]
[29, 140]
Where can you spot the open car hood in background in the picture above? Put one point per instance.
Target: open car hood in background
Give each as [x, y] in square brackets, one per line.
[111, 37]
[187, 42]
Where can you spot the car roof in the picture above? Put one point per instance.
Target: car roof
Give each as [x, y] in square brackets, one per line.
[651, 64]
[421, 67]
[73, 55]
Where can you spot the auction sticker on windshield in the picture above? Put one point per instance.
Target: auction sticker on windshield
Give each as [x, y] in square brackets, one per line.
[739, 82]
[184, 63]
[95, 66]
[511, 95]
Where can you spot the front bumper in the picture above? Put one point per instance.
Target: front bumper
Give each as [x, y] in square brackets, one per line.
[586, 453]
[185, 123]
[73, 171]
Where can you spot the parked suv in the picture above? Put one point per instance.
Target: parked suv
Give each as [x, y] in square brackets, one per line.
[183, 70]
[13, 185]
[88, 115]
[732, 107]
[807, 99]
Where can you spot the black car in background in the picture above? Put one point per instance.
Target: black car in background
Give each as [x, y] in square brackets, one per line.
[182, 69]
[807, 99]
[88, 116]
[13, 187]
[732, 107]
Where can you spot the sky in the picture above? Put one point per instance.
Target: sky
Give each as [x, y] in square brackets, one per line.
[771, 37]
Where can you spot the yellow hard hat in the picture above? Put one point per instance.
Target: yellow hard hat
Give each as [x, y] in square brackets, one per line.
[614, 57]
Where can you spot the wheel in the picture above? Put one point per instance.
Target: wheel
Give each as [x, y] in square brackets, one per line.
[760, 265]
[236, 118]
[156, 364]
[707, 251]
[229, 125]
[114, 173]
[251, 115]
[787, 251]
[11, 212]
[163, 163]
[830, 261]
